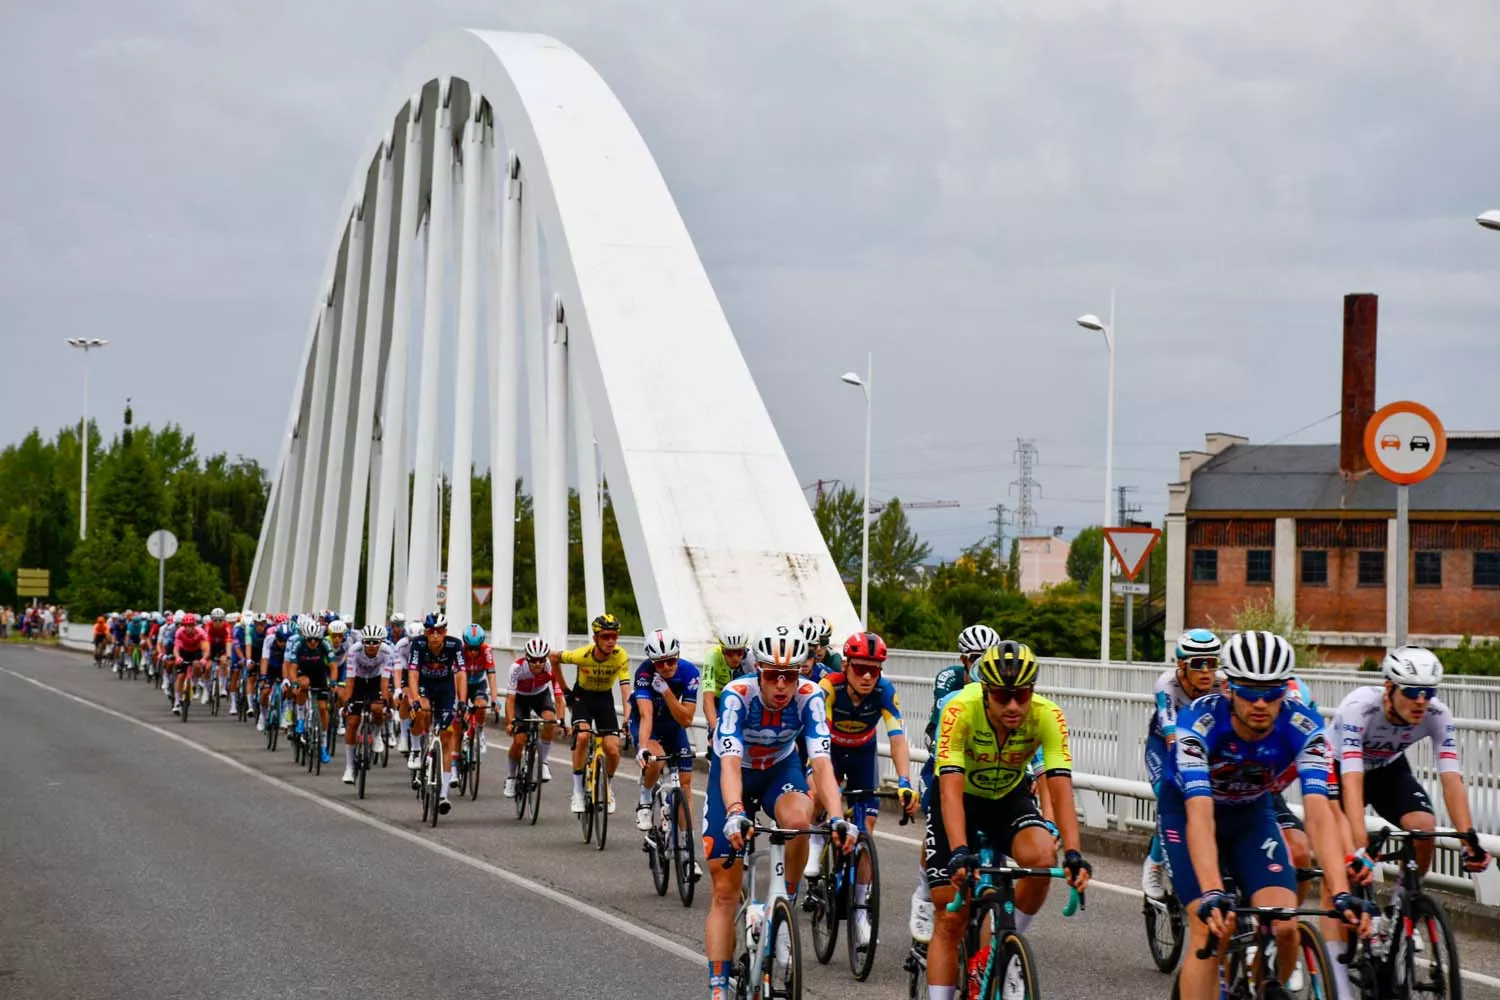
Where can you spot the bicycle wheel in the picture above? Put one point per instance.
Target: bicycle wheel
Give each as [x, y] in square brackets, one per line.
[601, 802]
[823, 899]
[1312, 979]
[1434, 972]
[656, 851]
[475, 765]
[273, 725]
[434, 777]
[782, 980]
[1164, 930]
[187, 697]
[916, 972]
[586, 818]
[682, 847]
[534, 780]
[362, 758]
[862, 956]
[213, 695]
[1012, 970]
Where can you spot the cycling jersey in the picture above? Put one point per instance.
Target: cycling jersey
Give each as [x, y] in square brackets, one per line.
[189, 639]
[117, 630]
[311, 658]
[218, 635]
[1368, 740]
[363, 666]
[1212, 760]
[403, 652]
[684, 683]
[523, 682]
[715, 670]
[820, 669]
[968, 743]
[594, 675]
[478, 662]
[762, 737]
[135, 628]
[273, 651]
[437, 669]
[853, 725]
[947, 681]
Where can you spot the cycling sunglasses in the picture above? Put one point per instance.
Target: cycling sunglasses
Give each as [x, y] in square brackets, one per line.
[1259, 692]
[1005, 695]
[1201, 663]
[784, 675]
[864, 669]
[1415, 693]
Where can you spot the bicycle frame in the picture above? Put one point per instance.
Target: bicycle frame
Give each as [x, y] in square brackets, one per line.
[758, 944]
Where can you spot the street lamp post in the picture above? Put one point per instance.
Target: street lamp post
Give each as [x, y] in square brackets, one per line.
[864, 559]
[1490, 219]
[85, 344]
[1092, 322]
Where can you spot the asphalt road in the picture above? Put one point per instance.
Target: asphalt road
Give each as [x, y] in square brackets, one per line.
[144, 857]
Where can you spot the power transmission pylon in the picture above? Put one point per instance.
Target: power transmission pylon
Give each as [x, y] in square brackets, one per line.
[1026, 488]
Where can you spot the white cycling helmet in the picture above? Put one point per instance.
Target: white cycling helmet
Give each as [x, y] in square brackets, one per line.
[177, 618]
[782, 646]
[816, 630]
[414, 630]
[232, 617]
[733, 638]
[1258, 658]
[397, 618]
[537, 649]
[1412, 666]
[662, 644]
[373, 633]
[311, 629]
[1196, 642]
[217, 614]
[976, 639]
[337, 627]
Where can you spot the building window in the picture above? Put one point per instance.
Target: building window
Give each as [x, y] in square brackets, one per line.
[1372, 569]
[1205, 565]
[1429, 569]
[1258, 566]
[1315, 567]
[1487, 569]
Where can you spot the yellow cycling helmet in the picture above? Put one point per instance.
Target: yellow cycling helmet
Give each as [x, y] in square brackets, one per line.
[606, 623]
[1011, 664]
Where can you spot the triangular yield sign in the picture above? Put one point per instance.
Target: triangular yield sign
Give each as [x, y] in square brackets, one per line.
[1131, 546]
[482, 595]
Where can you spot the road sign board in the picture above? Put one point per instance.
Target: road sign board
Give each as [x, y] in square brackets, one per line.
[33, 582]
[1132, 547]
[162, 544]
[1138, 589]
[441, 595]
[1405, 442]
[482, 595]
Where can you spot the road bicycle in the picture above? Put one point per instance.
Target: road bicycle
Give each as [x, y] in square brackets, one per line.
[669, 842]
[362, 740]
[1248, 960]
[271, 710]
[1005, 967]
[470, 754]
[429, 778]
[215, 691]
[833, 894]
[768, 948]
[1166, 926]
[528, 797]
[595, 816]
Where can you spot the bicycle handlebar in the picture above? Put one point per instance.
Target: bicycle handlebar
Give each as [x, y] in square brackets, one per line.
[1076, 900]
[1267, 914]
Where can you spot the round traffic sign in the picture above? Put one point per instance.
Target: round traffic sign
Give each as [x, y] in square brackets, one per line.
[441, 594]
[1405, 442]
[161, 543]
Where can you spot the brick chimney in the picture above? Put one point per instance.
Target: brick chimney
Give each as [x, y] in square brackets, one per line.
[1360, 313]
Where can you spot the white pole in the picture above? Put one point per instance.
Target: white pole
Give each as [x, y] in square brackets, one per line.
[590, 502]
[533, 336]
[161, 584]
[333, 526]
[1401, 584]
[83, 448]
[504, 433]
[465, 375]
[1109, 458]
[553, 615]
[864, 559]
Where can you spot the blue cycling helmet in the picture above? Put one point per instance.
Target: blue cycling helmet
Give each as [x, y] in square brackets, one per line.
[435, 620]
[284, 632]
[1198, 642]
[474, 635]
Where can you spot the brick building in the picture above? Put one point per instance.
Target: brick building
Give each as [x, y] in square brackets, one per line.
[1312, 529]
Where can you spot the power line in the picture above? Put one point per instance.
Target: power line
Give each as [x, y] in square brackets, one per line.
[1026, 486]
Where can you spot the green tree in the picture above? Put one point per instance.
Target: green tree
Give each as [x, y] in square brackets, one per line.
[1263, 615]
[895, 549]
[1085, 556]
[838, 513]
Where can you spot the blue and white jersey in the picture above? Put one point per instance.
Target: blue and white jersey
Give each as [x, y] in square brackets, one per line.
[274, 654]
[1211, 759]
[237, 642]
[763, 737]
[684, 683]
[1170, 699]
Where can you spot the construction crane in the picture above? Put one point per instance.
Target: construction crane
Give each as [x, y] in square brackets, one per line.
[876, 506]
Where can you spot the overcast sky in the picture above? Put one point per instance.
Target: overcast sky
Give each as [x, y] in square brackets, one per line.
[946, 184]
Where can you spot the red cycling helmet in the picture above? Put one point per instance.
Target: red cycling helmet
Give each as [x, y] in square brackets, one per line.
[189, 620]
[865, 646]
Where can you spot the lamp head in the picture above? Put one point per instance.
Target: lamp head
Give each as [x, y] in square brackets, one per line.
[852, 379]
[1091, 322]
[1490, 219]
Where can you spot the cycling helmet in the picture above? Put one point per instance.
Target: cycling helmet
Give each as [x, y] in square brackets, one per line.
[177, 617]
[732, 638]
[1412, 666]
[1010, 664]
[537, 649]
[606, 623]
[217, 614]
[976, 639]
[1198, 642]
[662, 644]
[474, 636]
[328, 615]
[261, 618]
[1258, 658]
[189, 619]
[283, 618]
[781, 646]
[414, 630]
[337, 627]
[311, 630]
[372, 633]
[397, 618]
[436, 620]
[865, 646]
[816, 630]
[284, 632]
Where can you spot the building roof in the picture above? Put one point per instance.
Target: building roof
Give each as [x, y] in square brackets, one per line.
[1294, 477]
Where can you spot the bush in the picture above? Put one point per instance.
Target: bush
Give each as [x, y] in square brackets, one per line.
[1471, 658]
[1262, 615]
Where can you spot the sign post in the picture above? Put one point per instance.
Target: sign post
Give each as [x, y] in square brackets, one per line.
[1405, 443]
[162, 544]
[1132, 547]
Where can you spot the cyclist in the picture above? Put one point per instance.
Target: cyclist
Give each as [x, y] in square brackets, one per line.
[666, 699]
[436, 685]
[117, 632]
[822, 660]
[308, 667]
[218, 650]
[721, 665]
[1197, 655]
[189, 648]
[972, 642]
[412, 636]
[339, 640]
[1376, 724]
[101, 633]
[135, 631]
[535, 689]
[602, 666]
[395, 628]
[479, 664]
[858, 698]
[761, 717]
[367, 688]
[1231, 751]
[272, 658]
[987, 734]
[164, 640]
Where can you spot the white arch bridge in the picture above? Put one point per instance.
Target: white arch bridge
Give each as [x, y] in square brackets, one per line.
[506, 191]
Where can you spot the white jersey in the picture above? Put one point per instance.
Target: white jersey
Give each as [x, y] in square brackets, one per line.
[1369, 741]
[367, 667]
[403, 653]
